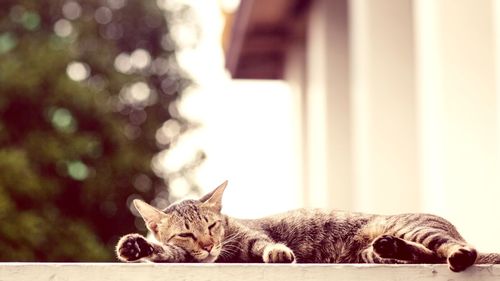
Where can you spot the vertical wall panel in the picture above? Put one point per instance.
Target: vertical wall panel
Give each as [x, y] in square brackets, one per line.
[328, 116]
[384, 106]
[458, 110]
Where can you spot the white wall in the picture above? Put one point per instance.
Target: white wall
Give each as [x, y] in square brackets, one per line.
[422, 111]
[399, 112]
[383, 106]
[459, 115]
[327, 112]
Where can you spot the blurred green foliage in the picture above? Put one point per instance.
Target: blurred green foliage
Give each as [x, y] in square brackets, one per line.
[84, 87]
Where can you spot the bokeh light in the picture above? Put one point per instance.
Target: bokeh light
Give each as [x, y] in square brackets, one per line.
[78, 71]
[140, 59]
[122, 63]
[72, 10]
[78, 170]
[116, 4]
[168, 132]
[7, 42]
[159, 66]
[30, 20]
[103, 15]
[143, 183]
[63, 120]
[139, 92]
[63, 28]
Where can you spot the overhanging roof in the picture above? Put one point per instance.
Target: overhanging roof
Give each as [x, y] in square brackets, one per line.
[259, 36]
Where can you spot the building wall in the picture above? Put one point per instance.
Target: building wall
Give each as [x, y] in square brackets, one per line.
[400, 110]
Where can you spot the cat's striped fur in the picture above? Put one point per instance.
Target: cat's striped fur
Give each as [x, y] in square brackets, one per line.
[196, 231]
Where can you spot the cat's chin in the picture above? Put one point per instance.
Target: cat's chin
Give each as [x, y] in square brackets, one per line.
[209, 259]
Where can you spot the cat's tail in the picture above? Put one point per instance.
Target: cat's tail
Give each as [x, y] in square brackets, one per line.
[483, 258]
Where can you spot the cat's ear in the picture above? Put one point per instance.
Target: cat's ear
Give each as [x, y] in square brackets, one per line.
[214, 198]
[150, 214]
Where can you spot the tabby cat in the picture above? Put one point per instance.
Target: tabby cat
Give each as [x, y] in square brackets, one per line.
[196, 231]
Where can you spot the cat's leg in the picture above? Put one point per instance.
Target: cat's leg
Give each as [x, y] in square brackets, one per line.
[392, 247]
[458, 254]
[250, 245]
[257, 247]
[136, 248]
[267, 251]
[435, 247]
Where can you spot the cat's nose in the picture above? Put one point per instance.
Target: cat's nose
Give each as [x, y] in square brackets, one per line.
[208, 247]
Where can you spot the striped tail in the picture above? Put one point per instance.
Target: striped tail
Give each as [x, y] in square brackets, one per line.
[484, 258]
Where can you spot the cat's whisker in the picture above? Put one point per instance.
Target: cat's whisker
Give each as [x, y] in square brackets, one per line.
[232, 246]
[226, 253]
[231, 242]
[234, 236]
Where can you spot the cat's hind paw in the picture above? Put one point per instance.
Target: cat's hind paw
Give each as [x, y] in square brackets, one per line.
[278, 253]
[387, 246]
[132, 247]
[462, 258]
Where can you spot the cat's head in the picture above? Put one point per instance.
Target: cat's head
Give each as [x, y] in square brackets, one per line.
[194, 225]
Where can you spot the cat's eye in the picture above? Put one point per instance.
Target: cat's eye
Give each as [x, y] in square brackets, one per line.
[210, 227]
[187, 235]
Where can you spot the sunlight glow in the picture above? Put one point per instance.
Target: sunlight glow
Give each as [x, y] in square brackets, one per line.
[229, 6]
[247, 129]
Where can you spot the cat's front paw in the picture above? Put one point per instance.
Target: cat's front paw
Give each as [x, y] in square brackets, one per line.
[278, 253]
[133, 247]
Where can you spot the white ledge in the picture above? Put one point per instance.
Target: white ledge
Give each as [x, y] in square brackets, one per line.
[239, 272]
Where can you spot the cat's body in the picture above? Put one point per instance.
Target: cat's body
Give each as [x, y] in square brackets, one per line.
[196, 231]
[318, 236]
